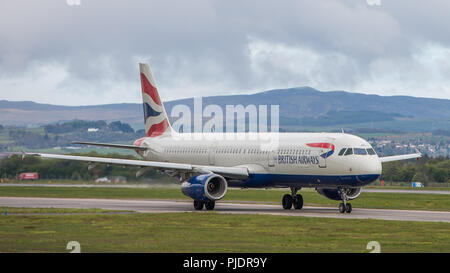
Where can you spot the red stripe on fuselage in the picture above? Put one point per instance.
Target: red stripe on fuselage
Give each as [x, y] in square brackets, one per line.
[158, 129]
[321, 145]
[138, 142]
[149, 89]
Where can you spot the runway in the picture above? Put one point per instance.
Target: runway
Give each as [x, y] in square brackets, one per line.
[133, 186]
[161, 206]
[406, 191]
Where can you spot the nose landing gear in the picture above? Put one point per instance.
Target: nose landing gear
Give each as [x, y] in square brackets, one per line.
[292, 199]
[344, 207]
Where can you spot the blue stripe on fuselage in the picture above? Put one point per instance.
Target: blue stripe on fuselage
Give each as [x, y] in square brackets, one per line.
[327, 154]
[287, 180]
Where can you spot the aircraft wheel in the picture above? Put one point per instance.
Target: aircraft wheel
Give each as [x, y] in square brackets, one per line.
[298, 201]
[287, 201]
[209, 205]
[198, 205]
[341, 208]
[348, 208]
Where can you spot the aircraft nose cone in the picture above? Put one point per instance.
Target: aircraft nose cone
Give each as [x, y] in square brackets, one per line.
[368, 165]
[371, 171]
[375, 167]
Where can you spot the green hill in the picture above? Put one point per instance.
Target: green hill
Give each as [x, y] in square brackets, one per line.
[302, 108]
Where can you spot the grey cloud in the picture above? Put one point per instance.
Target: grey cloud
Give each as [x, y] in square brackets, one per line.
[205, 44]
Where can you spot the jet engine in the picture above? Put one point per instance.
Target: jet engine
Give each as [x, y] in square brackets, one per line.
[335, 194]
[205, 187]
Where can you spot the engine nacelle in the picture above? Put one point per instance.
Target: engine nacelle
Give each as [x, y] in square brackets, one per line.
[335, 194]
[205, 187]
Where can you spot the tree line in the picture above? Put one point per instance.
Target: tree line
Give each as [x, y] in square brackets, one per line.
[83, 125]
[63, 134]
[66, 169]
[424, 170]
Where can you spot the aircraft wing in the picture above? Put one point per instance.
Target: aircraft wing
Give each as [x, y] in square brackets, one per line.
[230, 172]
[399, 157]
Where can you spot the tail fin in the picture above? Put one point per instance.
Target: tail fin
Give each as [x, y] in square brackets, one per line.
[155, 117]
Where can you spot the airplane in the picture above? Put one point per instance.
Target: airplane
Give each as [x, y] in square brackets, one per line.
[336, 165]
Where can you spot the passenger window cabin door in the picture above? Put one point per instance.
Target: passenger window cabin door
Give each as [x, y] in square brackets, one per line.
[272, 157]
[322, 160]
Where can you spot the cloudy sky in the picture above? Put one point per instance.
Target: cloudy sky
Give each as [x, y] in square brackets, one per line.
[52, 51]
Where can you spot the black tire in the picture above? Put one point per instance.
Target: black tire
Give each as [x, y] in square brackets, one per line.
[348, 208]
[286, 202]
[298, 201]
[209, 205]
[198, 205]
[341, 208]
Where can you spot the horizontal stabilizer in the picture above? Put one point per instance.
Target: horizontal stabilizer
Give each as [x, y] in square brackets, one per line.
[111, 145]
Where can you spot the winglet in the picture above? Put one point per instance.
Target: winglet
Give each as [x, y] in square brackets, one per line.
[420, 154]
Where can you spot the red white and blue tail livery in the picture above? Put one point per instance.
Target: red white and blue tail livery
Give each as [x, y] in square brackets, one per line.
[155, 116]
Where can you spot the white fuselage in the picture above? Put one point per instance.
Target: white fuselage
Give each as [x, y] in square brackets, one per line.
[289, 161]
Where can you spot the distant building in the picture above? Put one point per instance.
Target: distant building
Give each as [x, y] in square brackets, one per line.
[118, 179]
[92, 130]
[72, 148]
[113, 179]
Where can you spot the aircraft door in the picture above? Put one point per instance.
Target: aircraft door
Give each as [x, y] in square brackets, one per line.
[322, 160]
[272, 158]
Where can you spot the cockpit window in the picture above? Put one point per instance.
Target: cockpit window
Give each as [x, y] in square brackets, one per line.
[370, 151]
[349, 151]
[360, 151]
[342, 151]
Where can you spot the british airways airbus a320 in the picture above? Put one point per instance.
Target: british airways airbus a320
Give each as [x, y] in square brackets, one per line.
[337, 165]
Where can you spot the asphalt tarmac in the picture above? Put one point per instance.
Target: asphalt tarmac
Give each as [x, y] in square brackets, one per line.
[163, 206]
[421, 191]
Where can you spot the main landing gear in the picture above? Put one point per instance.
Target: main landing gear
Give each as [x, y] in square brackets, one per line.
[209, 205]
[292, 199]
[344, 207]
